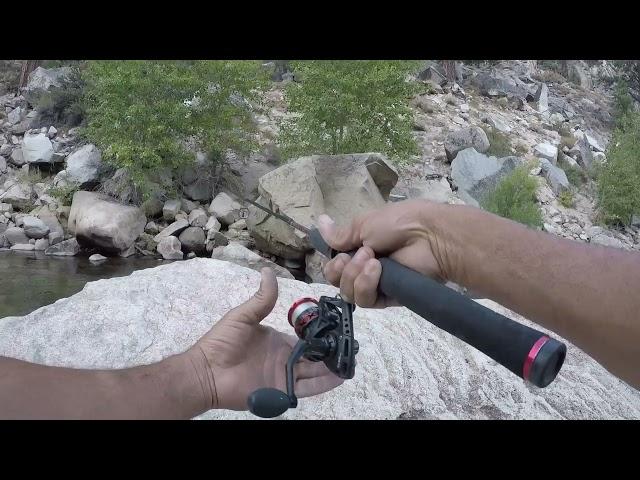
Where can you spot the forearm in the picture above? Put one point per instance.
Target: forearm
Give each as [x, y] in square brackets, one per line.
[587, 294]
[175, 388]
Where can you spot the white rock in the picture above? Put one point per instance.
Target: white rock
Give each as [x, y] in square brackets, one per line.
[170, 248]
[37, 148]
[52, 132]
[174, 229]
[239, 255]
[84, 166]
[212, 224]
[405, 364]
[41, 244]
[197, 218]
[225, 209]
[34, 227]
[23, 246]
[548, 151]
[97, 258]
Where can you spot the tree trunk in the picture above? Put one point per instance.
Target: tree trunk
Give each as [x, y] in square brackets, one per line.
[28, 66]
[449, 67]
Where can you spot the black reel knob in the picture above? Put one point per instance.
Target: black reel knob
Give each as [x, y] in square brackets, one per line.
[268, 402]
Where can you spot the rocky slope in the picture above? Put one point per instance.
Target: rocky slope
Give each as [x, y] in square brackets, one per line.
[407, 368]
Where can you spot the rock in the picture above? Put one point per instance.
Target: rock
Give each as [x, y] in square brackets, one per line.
[3, 165]
[497, 122]
[340, 185]
[436, 190]
[464, 108]
[55, 237]
[216, 239]
[23, 246]
[465, 138]
[16, 236]
[41, 244]
[170, 209]
[599, 157]
[37, 148]
[197, 218]
[243, 174]
[225, 209]
[476, 174]
[193, 240]
[98, 221]
[607, 241]
[15, 116]
[635, 221]
[239, 225]
[67, 248]
[458, 120]
[404, 363]
[585, 159]
[191, 255]
[34, 227]
[97, 258]
[556, 118]
[16, 157]
[200, 190]
[577, 73]
[541, 98]
[19, 195]
[52, 132]
[174, 229]
[188, 206]
[152, 228]
[314, 265]
[182, 216]
[212, 224]
[566, 159]
[6, 208]
[547, 151]
[6, 149]
[43, 80]
[84, 166]
[170, 248]
[555, 176]
[240, 255]
[551, 229]
[491, 85]
[428, 106]
[56, 232]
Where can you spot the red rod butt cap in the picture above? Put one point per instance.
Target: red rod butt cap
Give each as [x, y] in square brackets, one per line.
[531, 356]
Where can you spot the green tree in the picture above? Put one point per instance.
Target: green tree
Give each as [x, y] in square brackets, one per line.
[350, 107]
[143, 114]
[619, 178]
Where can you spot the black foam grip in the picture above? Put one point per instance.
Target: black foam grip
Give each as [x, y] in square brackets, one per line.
[507, 342]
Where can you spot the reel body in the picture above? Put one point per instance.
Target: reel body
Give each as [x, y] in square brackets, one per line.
[325, 332]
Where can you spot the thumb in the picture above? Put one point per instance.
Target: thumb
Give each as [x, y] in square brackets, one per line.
[260, 305]
[340, 239]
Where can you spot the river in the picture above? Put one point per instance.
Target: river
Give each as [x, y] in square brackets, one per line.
[30, 280]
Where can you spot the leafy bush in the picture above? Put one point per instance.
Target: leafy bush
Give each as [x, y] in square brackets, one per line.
[499, 143]
[623, 101]
[576, 175]
[619, 178]
[350, 107]
[567, 141]
[514, 198]
[146, 115]
[566, 199]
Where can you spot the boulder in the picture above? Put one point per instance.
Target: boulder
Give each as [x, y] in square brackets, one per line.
[555, 176]
[188, 206]
[152, 207]
[170, 248]
[16, 236]
[152, 228]
[497, 122]
[97, 221]
[41, 244]
[406, 366]
[476, 174]
[34, 227]
[42, 80]
[97, 258]
[541, 98]
[212, 224]
[84, 166]
[16, 115]
[174, 229]
[239, 225]
[17, 158]
[242, 176]
[496, 85]
[465, 138]
[3, 165]
[547, 151]
[225, 209]
[56, 232]
[67, 248]
[585, 159]
[340, 185]
[170, 209]
[19, 195]
[37, 149]
[606, 241]
[193, 239]
[198, 218]
[52, 131]
[5, 208]
[216, 239]
[240, 255]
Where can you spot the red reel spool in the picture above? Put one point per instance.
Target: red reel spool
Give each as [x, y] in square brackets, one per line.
[302, 311]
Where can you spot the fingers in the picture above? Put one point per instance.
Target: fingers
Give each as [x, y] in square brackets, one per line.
[308, 387]
[334, 268]
[342, 239]
[260, 305]
[351, 272]
[365, 285]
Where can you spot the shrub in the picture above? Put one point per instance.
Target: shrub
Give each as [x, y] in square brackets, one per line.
[576, 175]
[349, 107]
[514, 198]
[567, 141]
[566, 199]
[64, 194]
[146, 115]
[62, 106]
[619, 178]
[499, 143]
[623, 102]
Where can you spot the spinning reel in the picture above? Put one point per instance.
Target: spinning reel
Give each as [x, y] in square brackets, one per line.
[325, 330]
